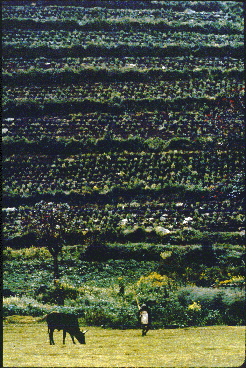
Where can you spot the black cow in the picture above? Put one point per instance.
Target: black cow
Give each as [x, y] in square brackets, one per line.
[66, 322]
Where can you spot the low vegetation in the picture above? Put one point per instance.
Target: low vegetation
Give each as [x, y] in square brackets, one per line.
[92, 278]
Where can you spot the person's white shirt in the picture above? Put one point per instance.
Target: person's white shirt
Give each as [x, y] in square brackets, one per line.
[144, 317]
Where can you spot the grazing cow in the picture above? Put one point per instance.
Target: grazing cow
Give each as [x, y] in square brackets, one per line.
[66, 322]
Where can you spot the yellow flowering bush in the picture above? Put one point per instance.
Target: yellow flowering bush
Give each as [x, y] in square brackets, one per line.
[194, 307]
[154, 280]
[41, 253]
[11, 300]
[238, 280]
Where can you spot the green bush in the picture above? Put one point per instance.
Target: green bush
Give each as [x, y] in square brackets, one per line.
[212, 318]
[187, 306]
[22, 306]
[57, 294]
[25, 306]
[179, 144]
[30, 253]
[11, 51]
[99, 250]
[234, 301]
[229, 303]
[99, 316]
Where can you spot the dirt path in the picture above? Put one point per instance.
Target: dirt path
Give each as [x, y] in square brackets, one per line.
[27, 345]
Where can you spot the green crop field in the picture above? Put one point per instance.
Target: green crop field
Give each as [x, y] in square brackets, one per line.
[26, 345]
[123, 154]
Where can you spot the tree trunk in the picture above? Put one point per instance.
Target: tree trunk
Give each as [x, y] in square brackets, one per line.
[59, 295]
[56, 270]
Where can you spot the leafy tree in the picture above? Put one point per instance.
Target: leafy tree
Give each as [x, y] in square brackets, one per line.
[50, 229]
[95, 247]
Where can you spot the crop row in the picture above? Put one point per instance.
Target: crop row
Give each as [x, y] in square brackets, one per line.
[146, 125]
[123, 96]
[28, 175]
[145, 5]
[55, 38]
[117, 91]
[80, 13]
[73, 146]
[168, 12]
[61, 108]
[208, 27]
[15, 65]
[94, 75]
[163, 215]
[30, 108]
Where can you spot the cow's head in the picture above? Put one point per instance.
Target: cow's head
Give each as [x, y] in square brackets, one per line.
[80, 336]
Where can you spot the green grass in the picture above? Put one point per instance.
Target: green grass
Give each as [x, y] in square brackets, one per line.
[26, 344]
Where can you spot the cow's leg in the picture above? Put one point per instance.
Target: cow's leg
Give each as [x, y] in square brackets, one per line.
[64, 336]
[72, 338]
[50, 330]
[49, 335]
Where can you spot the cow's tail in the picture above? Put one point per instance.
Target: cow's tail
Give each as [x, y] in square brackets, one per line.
[41, 319]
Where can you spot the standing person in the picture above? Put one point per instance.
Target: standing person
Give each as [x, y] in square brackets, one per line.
[144, 314]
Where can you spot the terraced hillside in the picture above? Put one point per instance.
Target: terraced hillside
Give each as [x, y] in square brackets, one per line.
[128, 118]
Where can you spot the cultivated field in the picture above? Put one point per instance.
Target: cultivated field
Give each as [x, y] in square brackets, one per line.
[137, 102]
[26, 345]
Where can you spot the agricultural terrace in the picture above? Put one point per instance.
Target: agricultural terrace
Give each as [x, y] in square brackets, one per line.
[126, 122]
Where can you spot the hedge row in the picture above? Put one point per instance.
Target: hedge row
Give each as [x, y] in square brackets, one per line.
[104, 145]
[123, 24]
[135, 144]
[54, 108]
[11, 51]
[40, 77]
[138, 235]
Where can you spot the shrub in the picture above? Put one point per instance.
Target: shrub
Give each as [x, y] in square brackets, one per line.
[22, 306]
[30, 307]
[6, 293]
[26, 253]
[213, 317]
[167, 311]
[98, 250]
[154, 282]
[194, 314]
[207, 297]
[96, 316]
[57, 294]
[214, 299]
[217, 306]
[179, 144]
[234, 301]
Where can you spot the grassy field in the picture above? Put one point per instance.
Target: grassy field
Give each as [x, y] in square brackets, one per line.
[25, 344]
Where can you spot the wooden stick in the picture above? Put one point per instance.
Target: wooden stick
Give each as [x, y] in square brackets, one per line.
[137, 299]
